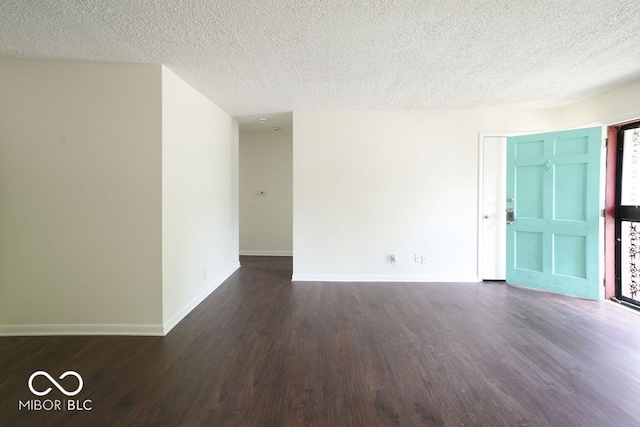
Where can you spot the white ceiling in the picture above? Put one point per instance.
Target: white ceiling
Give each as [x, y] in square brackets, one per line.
[264, 57]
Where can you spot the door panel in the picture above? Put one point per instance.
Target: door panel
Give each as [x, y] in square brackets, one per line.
[529, 149]
[553, 188]
[569, 192]
[570, 146]
[528, 250]
[529, 181]
[570, 255]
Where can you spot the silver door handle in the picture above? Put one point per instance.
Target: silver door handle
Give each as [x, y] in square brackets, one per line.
[510, 216]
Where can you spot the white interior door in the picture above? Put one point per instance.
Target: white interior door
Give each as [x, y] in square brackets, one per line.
[492, 245]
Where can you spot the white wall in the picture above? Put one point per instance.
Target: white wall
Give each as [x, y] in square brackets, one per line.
[80, 198]
[199, 197]
[375, 183]
[266, 221]
[119, 193]
[611, 107]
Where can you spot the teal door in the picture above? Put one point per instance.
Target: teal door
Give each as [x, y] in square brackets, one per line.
[553, 186]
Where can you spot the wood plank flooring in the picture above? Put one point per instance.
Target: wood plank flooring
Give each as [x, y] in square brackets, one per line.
[263, 351]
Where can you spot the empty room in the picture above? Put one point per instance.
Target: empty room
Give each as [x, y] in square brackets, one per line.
[292, 213]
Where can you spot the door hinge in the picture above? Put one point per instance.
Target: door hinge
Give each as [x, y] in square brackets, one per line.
[605, 142]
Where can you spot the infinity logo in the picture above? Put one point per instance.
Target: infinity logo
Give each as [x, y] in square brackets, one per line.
[55, 383]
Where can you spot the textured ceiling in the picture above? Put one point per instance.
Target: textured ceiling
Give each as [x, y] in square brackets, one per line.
[263, 57]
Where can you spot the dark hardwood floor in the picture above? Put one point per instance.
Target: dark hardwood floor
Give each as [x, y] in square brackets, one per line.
[263, 351]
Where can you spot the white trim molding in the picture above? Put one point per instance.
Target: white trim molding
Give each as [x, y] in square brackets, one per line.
[265, 253]
[382, 278]
[79, 329]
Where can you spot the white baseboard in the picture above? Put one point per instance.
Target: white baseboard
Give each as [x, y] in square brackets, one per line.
[266, 253]
[380, 278]
[176, 318]
[79, 329]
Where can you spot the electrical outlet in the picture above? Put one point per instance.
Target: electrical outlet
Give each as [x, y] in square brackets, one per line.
[419, 259]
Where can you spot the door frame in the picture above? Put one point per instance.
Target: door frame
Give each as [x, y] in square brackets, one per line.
[481, 189]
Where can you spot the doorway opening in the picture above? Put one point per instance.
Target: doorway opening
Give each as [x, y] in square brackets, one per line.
[553, 196]
[627, 214]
